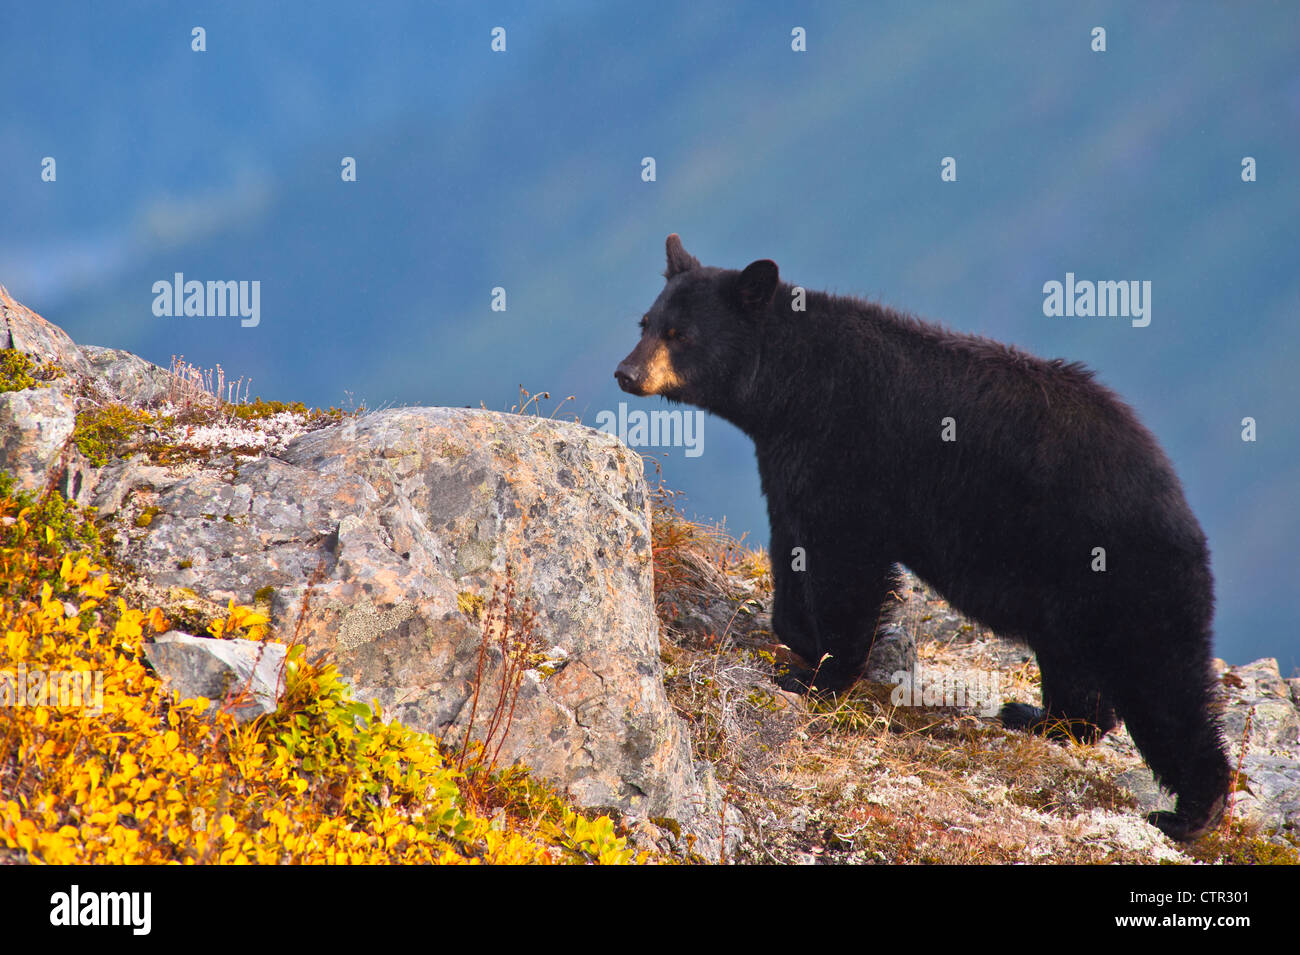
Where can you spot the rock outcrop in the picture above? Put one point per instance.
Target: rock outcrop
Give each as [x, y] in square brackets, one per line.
[24, 331]
[395, 529]
[380, 541]
[1261, 722]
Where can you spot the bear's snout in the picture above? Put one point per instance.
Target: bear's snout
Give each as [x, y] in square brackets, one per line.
[629, 378]
[648, 370]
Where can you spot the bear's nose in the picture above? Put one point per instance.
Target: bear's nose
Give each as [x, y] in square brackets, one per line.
[625, 379]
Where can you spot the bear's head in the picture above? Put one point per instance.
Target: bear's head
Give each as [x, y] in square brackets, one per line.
[699, 340]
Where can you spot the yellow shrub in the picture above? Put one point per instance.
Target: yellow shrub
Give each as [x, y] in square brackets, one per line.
[99, 762]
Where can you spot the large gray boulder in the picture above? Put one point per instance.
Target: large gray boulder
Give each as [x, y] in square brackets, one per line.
[406, 520]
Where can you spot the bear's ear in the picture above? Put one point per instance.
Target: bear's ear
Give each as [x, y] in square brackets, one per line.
[679, 260]
[757, 284]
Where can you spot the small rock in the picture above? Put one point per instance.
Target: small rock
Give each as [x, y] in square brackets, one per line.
[217, 669]
[893, 651]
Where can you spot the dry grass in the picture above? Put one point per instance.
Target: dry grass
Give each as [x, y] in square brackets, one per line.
[699, 567]
[510, 647]
[193, 387]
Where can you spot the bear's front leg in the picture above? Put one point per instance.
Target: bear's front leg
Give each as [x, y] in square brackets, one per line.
[791, 622]
[827, 609]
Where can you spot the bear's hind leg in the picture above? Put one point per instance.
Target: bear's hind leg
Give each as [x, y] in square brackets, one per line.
[1167, 706]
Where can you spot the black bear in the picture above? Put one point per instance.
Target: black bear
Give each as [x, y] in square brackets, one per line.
[1026, 493]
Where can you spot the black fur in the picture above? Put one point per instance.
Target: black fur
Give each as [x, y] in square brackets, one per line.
[845, 403]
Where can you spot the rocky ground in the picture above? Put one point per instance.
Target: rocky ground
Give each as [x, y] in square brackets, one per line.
[864, 779]
[386, 541]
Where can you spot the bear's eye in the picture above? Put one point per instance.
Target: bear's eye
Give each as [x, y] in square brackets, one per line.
[671, 334]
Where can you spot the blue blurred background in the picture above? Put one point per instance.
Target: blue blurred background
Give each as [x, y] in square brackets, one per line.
[523, 170]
